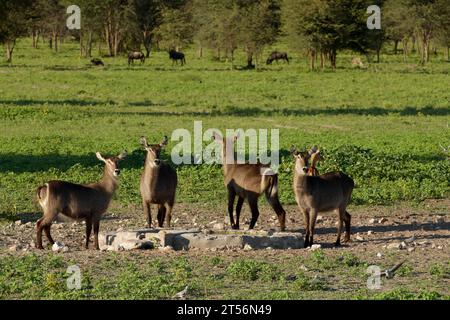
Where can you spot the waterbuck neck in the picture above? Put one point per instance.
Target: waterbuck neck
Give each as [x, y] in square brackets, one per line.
[299, 175]
[108, 182]
[150, 167]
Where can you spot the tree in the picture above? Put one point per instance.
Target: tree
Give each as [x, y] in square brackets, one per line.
[148, 18]
[398, 21]
[260, 25]
[14, 23]
[176, 29]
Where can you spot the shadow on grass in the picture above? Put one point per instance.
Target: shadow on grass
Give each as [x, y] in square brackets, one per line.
[257, 112]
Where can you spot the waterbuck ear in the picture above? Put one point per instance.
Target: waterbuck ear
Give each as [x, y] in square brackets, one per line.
[294, 150]
[313, 150]
[123, 155]
[99, 157]
[143, 142]
[217, 137]
[164, 142]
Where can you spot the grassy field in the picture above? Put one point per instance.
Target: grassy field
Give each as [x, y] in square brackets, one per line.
[382, 125]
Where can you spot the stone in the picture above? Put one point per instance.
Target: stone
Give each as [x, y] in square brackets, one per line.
[379, 254]
[319, 219]
[359, 238]
[372, 221]
[440, 220]
[315, 247]
[411, 249]
[394, 245]
[410, 240]
[369, 233]
[15, 247]
[218, 226]
[403, 245]
[18, 222]
[382, 220]
[57, 246]
[247, 247]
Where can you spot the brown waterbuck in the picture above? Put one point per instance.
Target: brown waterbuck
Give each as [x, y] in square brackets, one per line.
[315, 156]
[80, 202]
[158, 184]
[326, 192]
[248, 181]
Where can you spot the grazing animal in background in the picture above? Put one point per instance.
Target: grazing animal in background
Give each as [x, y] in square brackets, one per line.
[248, 181]
[357, 63]
[158, 184]
[315, 156]
[175, 56]
[326, 192]
[136, 55]
[275, 56]
[78, 201]
[97, 62]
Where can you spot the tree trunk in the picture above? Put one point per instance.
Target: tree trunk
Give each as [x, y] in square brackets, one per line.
[232, 59]
[200, 52]
[448, 53]
[322, 60]
[312, 59]
[395, 47]
[9, 46]
[250, 64]
[333, 56]
[405, 49]
[50, 42]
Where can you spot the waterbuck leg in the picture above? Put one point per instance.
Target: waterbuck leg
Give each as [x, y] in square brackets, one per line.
[306, 221]
[161, 215]
[47, 233]
[96, 230]
[231, 196]
[147, 213]
[43, 224]
[168, 209]
[253, 202]
[88, 231]
[276, 205]
[341, 214]
[312, 225]
[347, 220]
[239, 204]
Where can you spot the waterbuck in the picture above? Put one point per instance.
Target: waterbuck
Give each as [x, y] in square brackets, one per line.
[136, 55]
[248, 181]
[326, 192]
[315, 156]
[158, 184]
[80, 202]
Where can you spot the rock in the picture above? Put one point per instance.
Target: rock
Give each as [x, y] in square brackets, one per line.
[359, 238]
[247, 247]
[411, 249]
[403, 245]
[269, 248]
[18, 222]
[379, 254]
[433, 246]
[319, 219]
[372, 221]
[304, 268]
[57, 246]
[218, 226]
[394, 245]
[410, 240]
[315, 247]
[382, 220]
[28, 224]
[439, 247]
[369, 233]
[440, 220]
[15, 247]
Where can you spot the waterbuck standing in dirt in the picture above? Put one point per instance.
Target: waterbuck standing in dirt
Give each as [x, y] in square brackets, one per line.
[326, 192]
[158, 184]
[248, 181]
[78, 201]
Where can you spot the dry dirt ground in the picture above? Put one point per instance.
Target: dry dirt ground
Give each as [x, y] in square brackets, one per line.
[424, 231]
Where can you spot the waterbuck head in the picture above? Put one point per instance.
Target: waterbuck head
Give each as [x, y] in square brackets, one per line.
[227, 146]
[112, 163]
[154, 151]
[301, 160]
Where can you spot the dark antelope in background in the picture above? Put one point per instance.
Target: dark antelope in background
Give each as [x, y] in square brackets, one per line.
[248, 181]
[136, 55]
[158, 184]
[277, 56]
[326, 192]
[78, 201]
[175, 56]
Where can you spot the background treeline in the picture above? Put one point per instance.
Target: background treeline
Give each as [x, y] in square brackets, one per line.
[318, 28]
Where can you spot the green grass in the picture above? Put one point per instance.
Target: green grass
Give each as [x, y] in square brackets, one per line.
[382, 126]
[139, 276]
